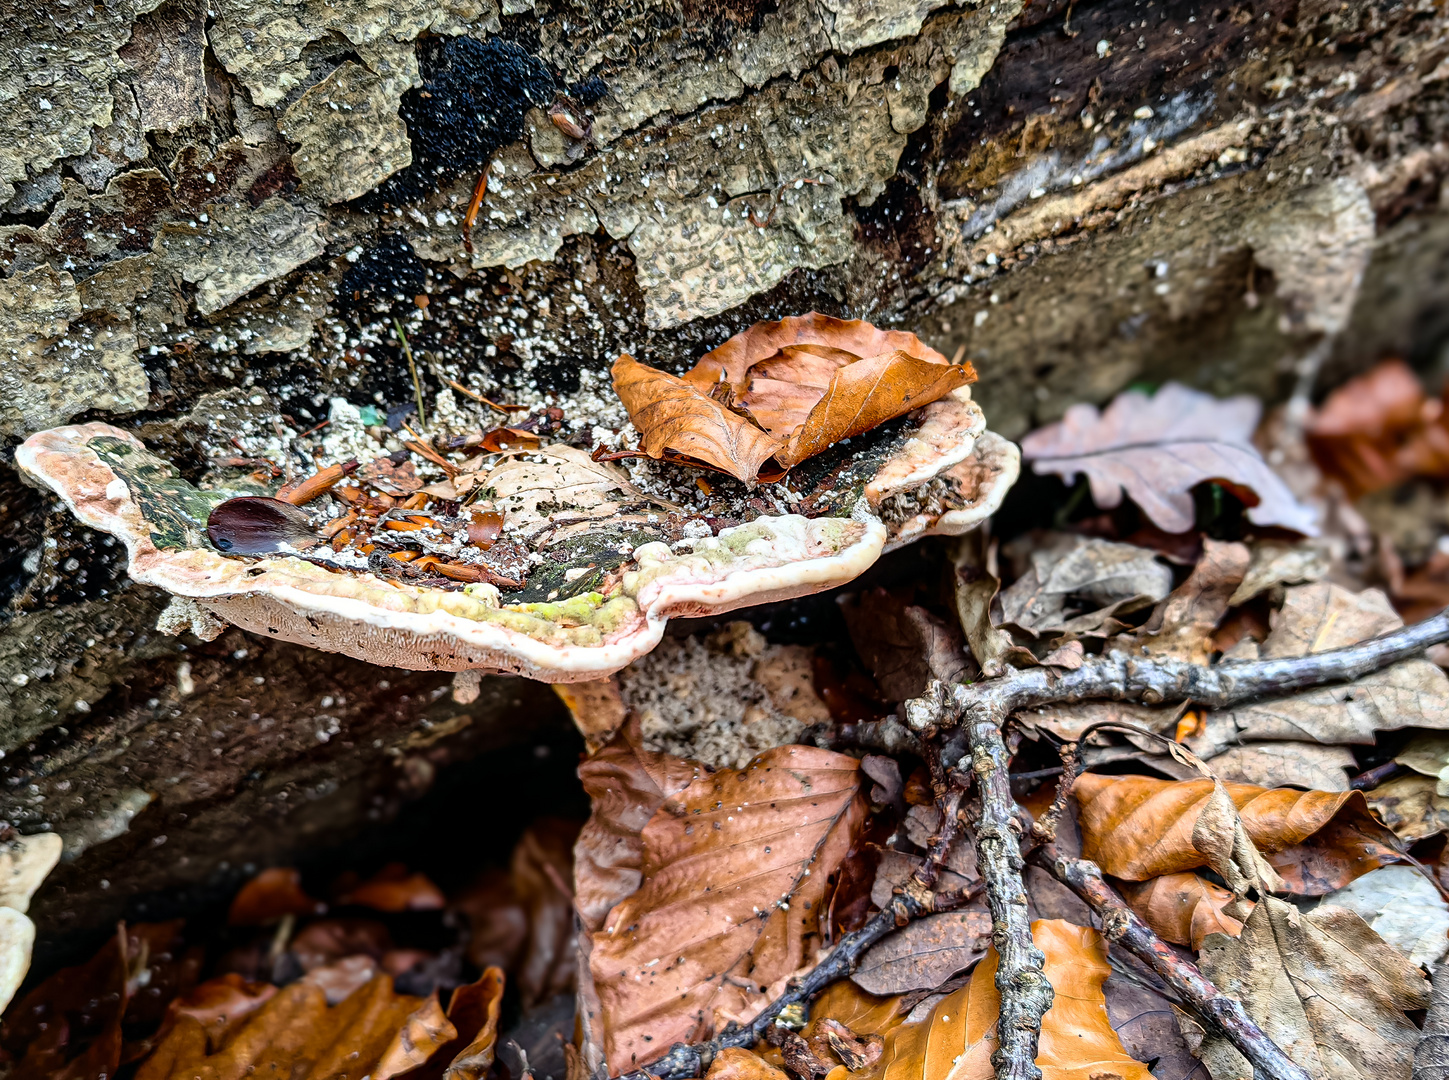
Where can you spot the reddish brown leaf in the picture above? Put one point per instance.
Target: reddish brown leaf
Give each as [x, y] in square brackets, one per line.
[731, 362]
[1138, 827]
[672, 415]
[391, 477]
[394, 889]
[1157, 449]
[736, 872]
[269, 896]
[1182, 908]
[474, 1012]
[297, 1034]
[221, 1005]
[626, 785]
[509, 438]
[737, 1064]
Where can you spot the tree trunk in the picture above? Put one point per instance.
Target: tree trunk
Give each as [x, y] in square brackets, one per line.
[212, 219]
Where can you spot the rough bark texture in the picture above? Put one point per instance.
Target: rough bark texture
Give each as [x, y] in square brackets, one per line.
[210, 216]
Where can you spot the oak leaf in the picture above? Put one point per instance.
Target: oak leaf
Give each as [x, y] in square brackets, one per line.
[1182, 908]
[735, 874]
[1324, 987]
[1158, 449]
[958, 1037]
[1138, 827]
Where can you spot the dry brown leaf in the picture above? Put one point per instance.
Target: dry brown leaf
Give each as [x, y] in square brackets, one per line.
[1076, 584]
[1182, 908]
[1275, 562]
[1077, 1041]
[627, 785]
[865, 394]
[1324, 987]
[1138, 827]
[736, 872]
[1378, 430]
[803, 380]
[220, 1005]
[902, 645]
[393, 888]
[296, 1034]
[976, 588]
[731, 362]
[1219, 834]
[926, 951]
[271, 895]
[1404, 907]
[1146, 1022]
[1182, 625]
[734, 1063]
[1158, 449]
[1411, 807]
[1315, 618]
[530, 489]
[474, 1011]
[673, 415]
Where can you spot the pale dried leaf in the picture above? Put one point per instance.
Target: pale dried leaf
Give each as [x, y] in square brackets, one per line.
[736, 871]
[1403, 907]
[1077, 584]
[977, 586]
[565, 482]
[1218, 834]
[1276, 562]
[1316, 618]
[1411, 806]
[1181, 626]
[1324, 987]
[1158, 449]
[1428, 754]
[1286, 764]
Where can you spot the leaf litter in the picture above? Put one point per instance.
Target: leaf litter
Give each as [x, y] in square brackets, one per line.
[738, 837]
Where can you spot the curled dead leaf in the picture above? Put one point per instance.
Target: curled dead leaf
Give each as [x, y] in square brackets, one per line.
[787, 390]
[271, 895]
[1138, 827]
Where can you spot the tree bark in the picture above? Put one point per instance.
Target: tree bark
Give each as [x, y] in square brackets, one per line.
[211, 216]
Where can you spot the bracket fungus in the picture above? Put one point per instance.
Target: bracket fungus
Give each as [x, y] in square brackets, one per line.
[520, 551]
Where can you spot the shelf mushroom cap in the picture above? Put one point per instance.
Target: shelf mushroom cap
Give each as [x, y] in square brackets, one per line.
[941, 474]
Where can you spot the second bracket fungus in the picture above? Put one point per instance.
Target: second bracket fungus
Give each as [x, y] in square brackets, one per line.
[517, 550]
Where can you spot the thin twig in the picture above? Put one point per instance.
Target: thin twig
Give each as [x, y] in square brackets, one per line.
[1119, 677]
[1121, 924]
[456, 385]
[1026, 994]
[413, 370]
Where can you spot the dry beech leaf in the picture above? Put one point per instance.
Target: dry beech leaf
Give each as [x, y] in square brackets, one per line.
[1077, 584]
[626, 785]
[1404, 908]
[1411, 806]
[1182, 908]
[1158, 449]
[473, 1011]
[807, 382]
[1182, 625]
[271, 895]
[393, 888]
[1315, 618]
[1077, 1041]
[733, 1063]
[1324, 987]
[1139, 827]
[220, 1005]
[1286, 764]
[297, 1034]
[736, 870]
[926, 951]
[672, 415]
[1218, 833]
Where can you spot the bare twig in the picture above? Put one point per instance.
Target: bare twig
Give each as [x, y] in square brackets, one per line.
[1025, 993]
[1121, 924]
[413, 370]
[1159, 681]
